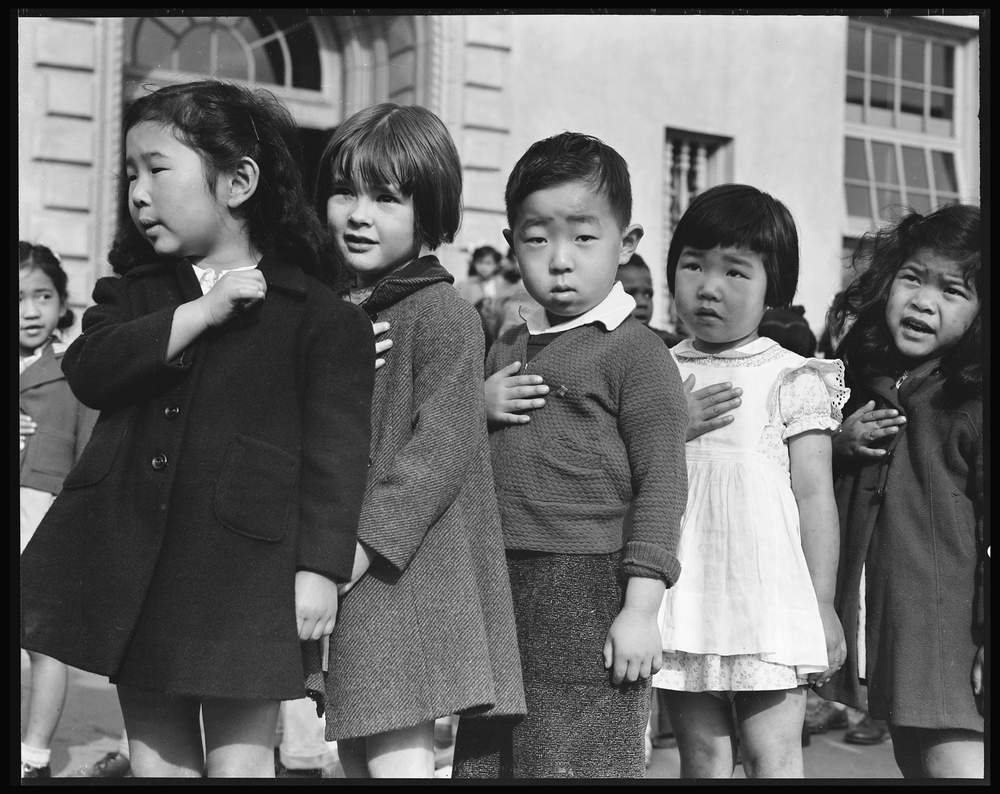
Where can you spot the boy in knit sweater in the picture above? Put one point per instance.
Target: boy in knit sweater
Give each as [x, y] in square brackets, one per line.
[609, 441]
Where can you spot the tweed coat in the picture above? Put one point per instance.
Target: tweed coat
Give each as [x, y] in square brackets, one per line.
[914, 520]
[168, 560]
[64, 423]
[429, 630]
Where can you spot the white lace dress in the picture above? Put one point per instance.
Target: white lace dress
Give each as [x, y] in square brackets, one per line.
[743, 615]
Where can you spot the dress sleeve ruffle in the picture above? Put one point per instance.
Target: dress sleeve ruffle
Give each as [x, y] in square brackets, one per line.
[812, 396]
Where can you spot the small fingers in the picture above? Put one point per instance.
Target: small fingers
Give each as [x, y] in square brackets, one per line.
[379, 363]
[516, 392]
[380, 327]
[523, 405]
[514, 419]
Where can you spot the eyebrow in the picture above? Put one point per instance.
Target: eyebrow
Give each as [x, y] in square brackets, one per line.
[582, 219]
[145, 156]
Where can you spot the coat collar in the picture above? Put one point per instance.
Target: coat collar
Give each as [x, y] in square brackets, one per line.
[885, 385]
[411, 277]
[46, 369]
[278, 274]
[686, 349]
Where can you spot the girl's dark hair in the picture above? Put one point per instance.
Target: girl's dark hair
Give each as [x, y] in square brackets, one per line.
[953, 232]
[223, 123]
[406, 147]
[483, 250]
[41, 257]
[568, 157]
[741, 216]
[788, 327]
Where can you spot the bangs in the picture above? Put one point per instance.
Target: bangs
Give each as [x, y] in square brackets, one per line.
[379, 158]
[743, 225]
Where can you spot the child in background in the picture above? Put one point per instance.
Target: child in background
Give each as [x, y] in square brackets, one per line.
[787, 326]
[204, 530]
[483, 280]
[637, 281]
[914, 555]
[54, 428]
[426, 628]
[610, 436]
[751, 623]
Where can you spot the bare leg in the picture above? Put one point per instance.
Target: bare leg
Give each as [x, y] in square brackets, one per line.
[353, 757]
[705, 735]
[928, 753]
[407, 752]
[46, 699]
[164, 733]
[239, 737]
[771, 730]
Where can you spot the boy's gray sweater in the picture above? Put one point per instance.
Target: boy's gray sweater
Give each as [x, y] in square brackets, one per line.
[611, 433]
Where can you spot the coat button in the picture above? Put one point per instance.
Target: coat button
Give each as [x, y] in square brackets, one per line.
[880, 492]
[159, 462]
[369, 463]
[171, 411]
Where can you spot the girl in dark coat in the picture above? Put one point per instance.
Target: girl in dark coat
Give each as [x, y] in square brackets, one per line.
[910, 494]
[204, 531]
[428, 628]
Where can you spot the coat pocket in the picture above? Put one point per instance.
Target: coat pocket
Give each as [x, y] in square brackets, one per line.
[256, 490]
[49, 454]
[99, 455]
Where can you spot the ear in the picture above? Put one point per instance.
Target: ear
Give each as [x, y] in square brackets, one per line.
[630, 241]
[509, 238]
[241, 183]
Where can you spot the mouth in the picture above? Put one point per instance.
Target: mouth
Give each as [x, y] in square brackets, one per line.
[915, 325]
[357, 242]
[708, 314]
[30, 329]
[147, 224]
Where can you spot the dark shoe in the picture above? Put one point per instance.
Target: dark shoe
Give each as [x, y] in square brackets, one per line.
[28, 771]
[825, 717]
[280, 770]
[868, 731]
[112, 765]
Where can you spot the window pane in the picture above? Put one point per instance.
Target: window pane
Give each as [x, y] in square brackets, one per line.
[854, 159]
[154, 46]
[943, 65]
[855, 90]
[881, 95]
[944, 201]
[944, 172]
[859, 202]
[912, 67]
[911, 100]
[890, 204]
[882, 48]
[232, 60]
[915, 167]
[941, 105]
[176, 24]
[884, 160]
[194, 51]
[919, 202]
[856, 49]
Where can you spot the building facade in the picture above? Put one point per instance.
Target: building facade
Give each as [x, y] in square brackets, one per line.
[847, 120]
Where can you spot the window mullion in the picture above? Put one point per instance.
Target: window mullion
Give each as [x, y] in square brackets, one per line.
[870, 168]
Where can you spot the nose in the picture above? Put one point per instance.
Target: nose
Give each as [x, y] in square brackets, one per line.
[561, 260]
[708, 287]
[361, 214]
[28, 307]
[139, 193]
[922, 299]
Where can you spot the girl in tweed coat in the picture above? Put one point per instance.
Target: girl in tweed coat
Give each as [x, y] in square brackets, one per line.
[426, 627]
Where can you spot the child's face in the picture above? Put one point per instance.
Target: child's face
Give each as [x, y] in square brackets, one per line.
[39, 309]
[638, 283]
[169, 199]
[568, 244]
[485, 266]
[930, 307]
[373, 229]
[719, 294]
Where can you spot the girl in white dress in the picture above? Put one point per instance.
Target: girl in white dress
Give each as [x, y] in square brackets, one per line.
[750, 623]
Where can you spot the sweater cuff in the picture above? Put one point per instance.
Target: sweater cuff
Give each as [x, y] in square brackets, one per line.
[651, 561]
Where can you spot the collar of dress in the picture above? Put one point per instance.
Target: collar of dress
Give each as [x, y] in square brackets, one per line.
[686, 349]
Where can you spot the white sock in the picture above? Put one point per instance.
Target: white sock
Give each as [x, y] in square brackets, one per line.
[35, 756]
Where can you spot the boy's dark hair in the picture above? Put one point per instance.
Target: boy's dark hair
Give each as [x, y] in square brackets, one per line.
[742, 216]
[788, 327]
[568, 157]
[30, 255]
[483, 250]
[953, 232]
[635, 261]
[406, 147]
[223, 123]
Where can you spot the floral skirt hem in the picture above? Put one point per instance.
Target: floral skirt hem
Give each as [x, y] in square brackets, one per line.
[698, 672]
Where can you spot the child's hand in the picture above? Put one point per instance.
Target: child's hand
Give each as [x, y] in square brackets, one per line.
[709, 408]
[235, 291]
[633, 648]
[315, 605]
[381, 347]
[836, 646]
[977, 678]
[865, 427]
[28, 428]
[507, 392]
[362, 561]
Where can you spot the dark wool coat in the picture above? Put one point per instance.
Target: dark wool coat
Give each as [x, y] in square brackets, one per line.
[168, 561]
[914, 519]
[429, 630]
[64, 423]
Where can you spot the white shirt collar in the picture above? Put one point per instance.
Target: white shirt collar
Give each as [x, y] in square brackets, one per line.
[206, 281]
[610, 312]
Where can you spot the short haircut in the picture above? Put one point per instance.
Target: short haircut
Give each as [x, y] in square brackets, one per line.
[742, 216]
[406, 147]
[568, 157]
[482, 251]
[635, 261]
[32, 256]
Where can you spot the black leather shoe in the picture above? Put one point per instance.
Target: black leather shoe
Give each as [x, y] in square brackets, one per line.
[868, 731]
[111, 765]
[29, 772]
